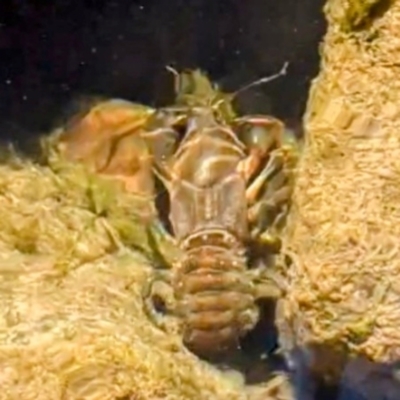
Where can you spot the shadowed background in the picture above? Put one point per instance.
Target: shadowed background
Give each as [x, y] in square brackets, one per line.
[51, 53]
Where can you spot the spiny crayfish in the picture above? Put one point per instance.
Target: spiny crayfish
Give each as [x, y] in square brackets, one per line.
[229, 181]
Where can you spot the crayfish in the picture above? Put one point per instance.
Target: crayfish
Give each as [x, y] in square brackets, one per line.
[229, 182]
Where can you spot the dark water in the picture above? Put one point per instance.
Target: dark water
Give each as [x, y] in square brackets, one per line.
[52, 52]
[360, 379]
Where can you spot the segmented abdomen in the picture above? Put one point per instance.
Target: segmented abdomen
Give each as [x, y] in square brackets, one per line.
[215, 300]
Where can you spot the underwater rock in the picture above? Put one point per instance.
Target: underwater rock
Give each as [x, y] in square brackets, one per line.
[342, 234]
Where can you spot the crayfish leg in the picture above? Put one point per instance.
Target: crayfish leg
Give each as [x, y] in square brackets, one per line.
[162, 143]
[260, 132]
[267, 285]
[272, 168]
[260, 135]
[269, 213]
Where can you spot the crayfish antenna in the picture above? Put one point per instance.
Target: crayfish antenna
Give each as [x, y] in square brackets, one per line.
[261, 81]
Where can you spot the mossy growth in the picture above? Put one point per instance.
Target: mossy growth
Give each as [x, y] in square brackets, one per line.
[74, 256]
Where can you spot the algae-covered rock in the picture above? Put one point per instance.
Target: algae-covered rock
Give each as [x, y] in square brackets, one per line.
[344, 228]
[74, 256]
